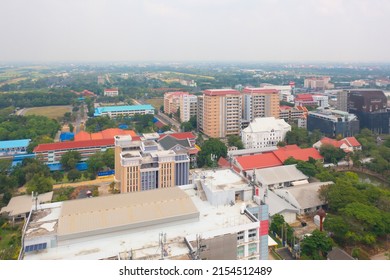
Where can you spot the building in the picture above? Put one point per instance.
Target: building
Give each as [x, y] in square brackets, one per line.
[370, 106]
[180, 142]
[144, 165]
[199, 114]
[172, 101]
[292, 114]
[19, 207]
[319, 83]
[188, 107]
[51, 153]
[264, 132]
[280, 177]
[342, 101]
[305, 100]
[14, 147]
[220, 113]
[260, 103]
[348, 144]
[111, 92]
[170, 223]
[109, 133]
[359, 83]
[130, 110]
[286, 92]
[246, 164]
[322, 100]
[304, 197]
[333, 123]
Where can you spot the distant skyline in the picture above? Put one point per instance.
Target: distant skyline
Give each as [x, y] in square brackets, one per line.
[195, 30]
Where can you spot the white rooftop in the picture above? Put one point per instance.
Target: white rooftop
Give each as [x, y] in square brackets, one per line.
[221, 179]
[144, 242]
[267, 125]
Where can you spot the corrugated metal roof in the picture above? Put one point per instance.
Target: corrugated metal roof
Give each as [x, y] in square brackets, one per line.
[279, 174]
[101, 110]
[14, 143]
[124, 210]
[22, 204]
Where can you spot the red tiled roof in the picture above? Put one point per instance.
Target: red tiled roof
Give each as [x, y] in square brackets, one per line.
[111, 89]
[259, 90]
[258, 161]
[159, 124]
[289, 147]
[284, 107]
[222, 162]
[332, 142]
[214, 92]
[72, 145]
[105, 134]
[353, 141]
[82, 136]
[306, 97]
[298, 154]
[183, 135]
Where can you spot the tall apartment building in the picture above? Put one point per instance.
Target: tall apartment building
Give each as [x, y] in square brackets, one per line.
[188, 106]
[172, 101]
[260, 103]
[199, 113]
[371, 108]
[342, 101]
[220, 112]
[143, 165]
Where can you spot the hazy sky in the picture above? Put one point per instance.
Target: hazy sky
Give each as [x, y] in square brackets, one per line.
[180, 30]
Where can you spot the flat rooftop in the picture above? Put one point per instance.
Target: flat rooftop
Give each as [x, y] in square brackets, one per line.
[143, 243]
[221, 179]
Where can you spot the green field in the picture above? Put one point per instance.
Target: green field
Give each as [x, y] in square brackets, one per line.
[52, 112]
[155, 102]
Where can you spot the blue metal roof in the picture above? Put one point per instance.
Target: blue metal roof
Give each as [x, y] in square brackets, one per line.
[101, 110]
[14, 143]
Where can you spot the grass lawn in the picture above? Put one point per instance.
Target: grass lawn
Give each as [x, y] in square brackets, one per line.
[155, 102]
[52, 112]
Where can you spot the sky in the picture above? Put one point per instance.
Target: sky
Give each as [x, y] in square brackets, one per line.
[195, 30]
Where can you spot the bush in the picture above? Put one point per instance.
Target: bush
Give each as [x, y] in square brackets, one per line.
[360, 254]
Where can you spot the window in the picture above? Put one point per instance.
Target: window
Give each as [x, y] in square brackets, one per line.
[35, 247]
[240, 251]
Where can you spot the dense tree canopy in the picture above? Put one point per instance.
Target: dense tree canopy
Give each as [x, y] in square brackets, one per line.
[70, 159]
[210, 147]
[316, 246]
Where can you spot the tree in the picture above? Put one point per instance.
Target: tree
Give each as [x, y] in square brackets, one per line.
[307, 168]
[57, 175]
[316, 246]
[70, 159]
[277, 223]
[39, 184]
[71, 127]
[331, 154]
[234, 140]
[109, 158]
[95, 162]
[74, 174]
[214, 147]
